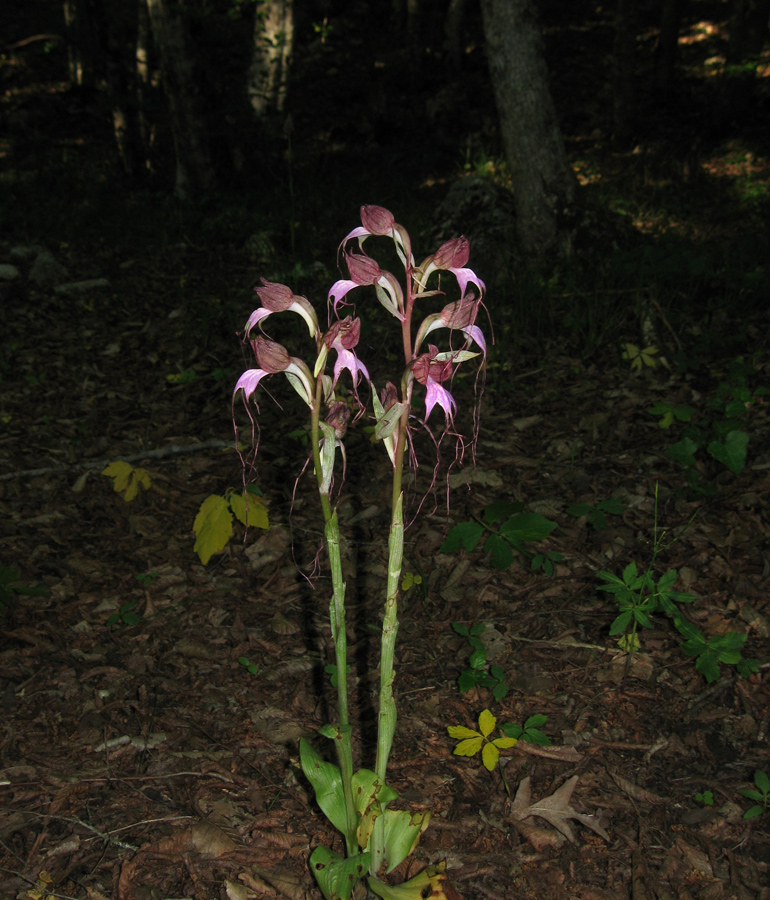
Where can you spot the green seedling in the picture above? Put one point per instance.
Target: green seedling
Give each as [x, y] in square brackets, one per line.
[470, 741]
[187, 377]
[125, 616]
[477, 672]
[411, 580]
[596, 516]
[12, 587]
[722, 431]
[639, 358]
[706, 798]
[509, 529]
[530, 731]
[147, 578]
[126, 479]
[722, 648]
[760, 796]
[669, 414]
[248, 665]
[331, 671]
[639, 597]
[213, 525]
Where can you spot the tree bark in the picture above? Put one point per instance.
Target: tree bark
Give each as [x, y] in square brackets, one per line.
[271, 57]
[80, 43]
[623, 71]
[668, 44]
[544, 185]
[194, 166]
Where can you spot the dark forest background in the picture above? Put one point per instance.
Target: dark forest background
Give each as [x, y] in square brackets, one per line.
[627, 148]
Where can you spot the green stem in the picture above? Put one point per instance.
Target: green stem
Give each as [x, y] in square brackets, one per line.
[342, 742]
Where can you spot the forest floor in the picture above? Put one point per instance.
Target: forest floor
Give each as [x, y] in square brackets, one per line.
[152, 706]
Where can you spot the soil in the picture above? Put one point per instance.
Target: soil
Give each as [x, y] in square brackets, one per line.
[144, 759]
[152, 706]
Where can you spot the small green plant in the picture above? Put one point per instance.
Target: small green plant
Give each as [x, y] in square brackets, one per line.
[147, 578]
[477, 672]
[125, 615]
[529, 731]
[722, 431]
[213, 525]
[248, 665]
[509, 529]
[472, 741]
[639, 357]
[639, 597]
[126, 479]
[706, 798]
[596, 516]
[722, 648]
[12, 587]
[189, 376]
[760, 796]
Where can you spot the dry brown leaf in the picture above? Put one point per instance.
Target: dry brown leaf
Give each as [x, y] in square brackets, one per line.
[555, 809]
[634, 791]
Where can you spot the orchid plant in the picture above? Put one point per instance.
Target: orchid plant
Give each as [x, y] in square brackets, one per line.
[377, 838]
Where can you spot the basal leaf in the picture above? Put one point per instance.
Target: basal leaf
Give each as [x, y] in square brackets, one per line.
[337, 877]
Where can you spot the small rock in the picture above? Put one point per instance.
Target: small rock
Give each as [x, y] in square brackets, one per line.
[46, 270]
[79, 287]
[9, 273]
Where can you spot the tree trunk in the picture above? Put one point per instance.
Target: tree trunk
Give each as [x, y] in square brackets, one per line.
[115, 28]
[194, 167]
[748, 29]
[668, 44]
[80, 43]
[271, 57]
[544, 185]
[453, 33]
[623, 71]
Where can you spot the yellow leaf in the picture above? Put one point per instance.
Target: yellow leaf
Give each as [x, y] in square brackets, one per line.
[213, 527]
[505, 743]
[257, 510]
[490, 756]
[470, 747]
[486, 722]
[126, 479]
[460, 731]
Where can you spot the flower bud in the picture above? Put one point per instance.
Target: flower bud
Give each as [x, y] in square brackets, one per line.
[461, 313]
[363, 269]
[338, 417]
[427, 366]
[389, 396]
[377, 220]
[271, 356]
[452, 254]
[344, 333]
[275, 297]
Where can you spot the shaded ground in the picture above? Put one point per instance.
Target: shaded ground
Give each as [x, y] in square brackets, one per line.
[143, 760]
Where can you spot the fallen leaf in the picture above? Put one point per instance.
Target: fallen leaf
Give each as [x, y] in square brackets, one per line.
[555, 809]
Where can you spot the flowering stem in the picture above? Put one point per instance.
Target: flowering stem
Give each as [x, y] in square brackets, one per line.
[342, 741]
